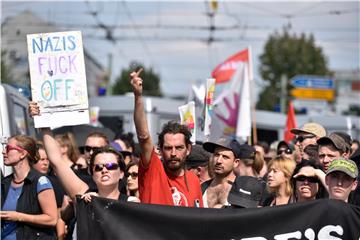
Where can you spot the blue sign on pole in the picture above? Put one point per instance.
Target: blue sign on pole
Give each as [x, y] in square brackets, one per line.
[306, 81]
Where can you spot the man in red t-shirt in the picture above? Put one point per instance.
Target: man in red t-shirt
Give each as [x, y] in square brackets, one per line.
[166, 182]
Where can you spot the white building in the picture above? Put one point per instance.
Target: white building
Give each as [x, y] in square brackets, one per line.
[13, 41]
[348, 90]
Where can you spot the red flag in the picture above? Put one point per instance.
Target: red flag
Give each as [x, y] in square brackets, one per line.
[290, 123]
[224, 71]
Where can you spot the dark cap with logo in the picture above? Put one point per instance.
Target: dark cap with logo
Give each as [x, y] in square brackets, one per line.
[227, 143]
[197, 157]
[247, 151]
[246, 192]
[335, 140]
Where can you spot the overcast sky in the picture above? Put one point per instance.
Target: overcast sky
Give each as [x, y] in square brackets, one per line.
[172, 37]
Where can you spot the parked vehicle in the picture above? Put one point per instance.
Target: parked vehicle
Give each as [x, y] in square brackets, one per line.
[14, 118]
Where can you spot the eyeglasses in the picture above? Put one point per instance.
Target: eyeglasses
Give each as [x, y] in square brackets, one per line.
[309, 179]
[108, 166]
[89, 148]
[302, 138]
[133, 175]
[286, 151]
[13, 147]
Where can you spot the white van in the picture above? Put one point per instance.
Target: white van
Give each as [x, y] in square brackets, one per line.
[14, 118]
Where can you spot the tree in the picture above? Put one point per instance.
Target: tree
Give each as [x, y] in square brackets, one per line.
[151, 83]
[288, 55]
[6, 75]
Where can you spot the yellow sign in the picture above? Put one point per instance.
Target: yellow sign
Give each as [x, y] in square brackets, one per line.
[311, 93]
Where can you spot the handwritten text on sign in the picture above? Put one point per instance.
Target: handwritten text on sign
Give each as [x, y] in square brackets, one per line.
[57, 70]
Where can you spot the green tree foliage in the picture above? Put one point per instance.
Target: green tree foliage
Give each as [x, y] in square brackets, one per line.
[289, 55]
[6, 76]
[151, 83]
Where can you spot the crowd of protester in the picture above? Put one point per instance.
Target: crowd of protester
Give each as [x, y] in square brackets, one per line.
[38, 198]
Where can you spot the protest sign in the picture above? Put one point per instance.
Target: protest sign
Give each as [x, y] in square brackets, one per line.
[58, 80]
[187, 117]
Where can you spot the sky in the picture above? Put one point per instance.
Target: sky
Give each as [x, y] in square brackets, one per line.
[172, 37]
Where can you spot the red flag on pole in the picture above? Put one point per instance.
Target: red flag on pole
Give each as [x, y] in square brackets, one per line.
[290, 123]
[224, 71]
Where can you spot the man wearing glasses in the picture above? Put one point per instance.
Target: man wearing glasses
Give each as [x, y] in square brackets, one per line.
[309, 133]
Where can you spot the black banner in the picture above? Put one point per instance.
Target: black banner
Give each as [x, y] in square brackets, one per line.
[320, 219]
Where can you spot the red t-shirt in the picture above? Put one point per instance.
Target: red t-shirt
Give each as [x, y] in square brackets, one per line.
[156, 187]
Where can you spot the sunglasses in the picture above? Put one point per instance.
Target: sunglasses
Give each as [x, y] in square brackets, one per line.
[108, 166]
[285, 151]
[309, 179]
[89, 148]
[302, 138]
[8, 148]
[133, 175]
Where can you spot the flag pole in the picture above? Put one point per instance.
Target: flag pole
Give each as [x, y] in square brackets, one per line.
[253, 109]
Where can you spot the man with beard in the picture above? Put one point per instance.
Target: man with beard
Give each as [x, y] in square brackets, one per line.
[166, 183]
[226, 154]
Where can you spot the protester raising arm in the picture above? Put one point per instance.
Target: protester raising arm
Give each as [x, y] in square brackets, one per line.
[72, 184]
[141, 125]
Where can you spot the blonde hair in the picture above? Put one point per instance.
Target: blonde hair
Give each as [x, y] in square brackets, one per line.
[68, 140]
[287, 166]
[256, 163]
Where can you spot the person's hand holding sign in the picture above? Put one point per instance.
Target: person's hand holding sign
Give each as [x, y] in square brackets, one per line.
[136, 82]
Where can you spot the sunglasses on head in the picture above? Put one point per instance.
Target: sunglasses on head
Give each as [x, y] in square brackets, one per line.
[302, 138]
[309, 179]
[133, 175]
[8, 148]
[89, 148]
[285, 151]
[108, 166]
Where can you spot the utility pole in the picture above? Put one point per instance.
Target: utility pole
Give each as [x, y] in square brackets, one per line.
[283, 93]
[109, 72]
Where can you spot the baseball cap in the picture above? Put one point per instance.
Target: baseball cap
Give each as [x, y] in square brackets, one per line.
[346, 137]
[344, 165]
[311, 128]
[197, 157]
[247, 151]
[118, 148]
[335, 140]
[246, 192]
[227, 143]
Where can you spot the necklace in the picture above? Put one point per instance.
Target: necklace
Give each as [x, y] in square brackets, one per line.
[19, 182]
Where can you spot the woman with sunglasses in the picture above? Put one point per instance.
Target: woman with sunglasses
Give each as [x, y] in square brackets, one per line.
[28, 205]
[132, 187]
[106, 167]
[306, 181]
[280, 170]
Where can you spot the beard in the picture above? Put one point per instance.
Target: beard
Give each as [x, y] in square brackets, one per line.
[174, 164]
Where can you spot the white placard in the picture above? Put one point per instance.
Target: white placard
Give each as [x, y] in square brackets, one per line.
[58, 79]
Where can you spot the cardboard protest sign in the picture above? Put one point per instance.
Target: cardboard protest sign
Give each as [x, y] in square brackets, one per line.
[58, 79]
[187, 117]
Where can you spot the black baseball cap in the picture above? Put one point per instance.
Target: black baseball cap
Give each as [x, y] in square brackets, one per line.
[247, 151]
[246, 192]
[197, 157]
[227, 143]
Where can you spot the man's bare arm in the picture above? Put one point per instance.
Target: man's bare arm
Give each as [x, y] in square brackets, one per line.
[141, 125]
